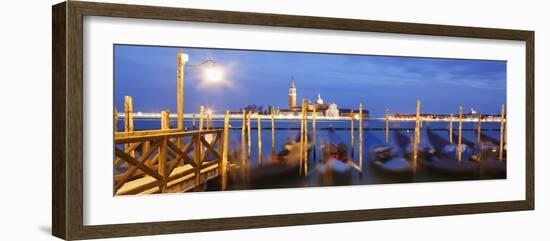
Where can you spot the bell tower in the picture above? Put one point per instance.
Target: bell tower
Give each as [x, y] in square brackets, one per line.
[292, 95]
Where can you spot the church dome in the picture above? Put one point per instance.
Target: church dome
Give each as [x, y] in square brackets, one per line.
[319, 99]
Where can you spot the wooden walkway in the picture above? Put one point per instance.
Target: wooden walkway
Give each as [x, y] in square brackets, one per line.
[166, 161]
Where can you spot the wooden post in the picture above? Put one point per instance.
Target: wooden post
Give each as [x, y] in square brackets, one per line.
[314, 127]
[115, 117]
[128, 120]
[182, 59]
[302, 135]
[479, 128]
[352, 134]
[128, 114]
[451, 128]
[165, 125]
[208, 119]
[260, 161]
[459, 147]
[249, 134]
[361, 137]
[273, 152]
[306, 141]
[201, 118]
[416, 135]
[224, 162]
[197, 159]
[387, 127]
[165, 120]
[243, 140]
[501, 146]
[194, 120]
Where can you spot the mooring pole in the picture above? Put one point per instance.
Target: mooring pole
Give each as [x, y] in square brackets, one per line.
[352, 135]
[259, 139]
[224, 162]
[201, 117]
[243, 140]
[128, 119]
[249, 133]
[182, 59]
[314, 127]
[416, 136]
[501, 146]
[451, 128]
[194, 124]
[306, 151]
[479, 128]
[361, 137]
[115, 119]
[273, 152]
[387, 127]
[459, 149]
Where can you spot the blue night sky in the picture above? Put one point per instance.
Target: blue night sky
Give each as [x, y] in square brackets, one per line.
[148, 74]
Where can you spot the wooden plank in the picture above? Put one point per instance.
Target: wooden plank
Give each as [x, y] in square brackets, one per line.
[173, 133]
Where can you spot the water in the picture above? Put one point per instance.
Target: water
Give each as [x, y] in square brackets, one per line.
[374, 135]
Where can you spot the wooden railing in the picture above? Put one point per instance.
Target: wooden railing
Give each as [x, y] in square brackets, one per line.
[159, 161]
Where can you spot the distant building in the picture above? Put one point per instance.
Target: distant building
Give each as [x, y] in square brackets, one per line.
[332, 111]
[292, 95]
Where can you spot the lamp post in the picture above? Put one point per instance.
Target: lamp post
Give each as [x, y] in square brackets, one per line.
[212, 73]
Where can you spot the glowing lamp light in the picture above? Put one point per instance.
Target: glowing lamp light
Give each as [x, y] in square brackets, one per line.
[213, 74]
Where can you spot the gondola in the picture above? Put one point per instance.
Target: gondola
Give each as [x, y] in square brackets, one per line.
[389, 161]
[335, 168]
[490, 166]
[283, 167]
[492, 145]
[443, 163]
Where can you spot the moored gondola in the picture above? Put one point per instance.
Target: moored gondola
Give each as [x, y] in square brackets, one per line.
[390, 161]
[444, 162]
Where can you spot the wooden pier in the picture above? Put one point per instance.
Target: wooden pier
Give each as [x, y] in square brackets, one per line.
[156, 164]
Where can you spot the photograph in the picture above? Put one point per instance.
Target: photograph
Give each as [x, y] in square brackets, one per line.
[189, 119]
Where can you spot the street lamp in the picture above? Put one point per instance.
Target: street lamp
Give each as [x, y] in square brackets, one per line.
[212, 73]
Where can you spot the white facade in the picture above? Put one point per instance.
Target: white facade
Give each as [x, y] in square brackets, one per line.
[332, 111]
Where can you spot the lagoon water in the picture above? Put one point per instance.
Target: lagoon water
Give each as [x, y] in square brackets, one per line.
[374, 135]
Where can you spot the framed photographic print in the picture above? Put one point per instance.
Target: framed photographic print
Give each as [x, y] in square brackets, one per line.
[171, 120]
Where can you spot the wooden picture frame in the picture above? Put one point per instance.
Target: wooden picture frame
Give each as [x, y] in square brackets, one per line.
[67, 123]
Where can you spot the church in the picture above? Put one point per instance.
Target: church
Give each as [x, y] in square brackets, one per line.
[322, 109]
